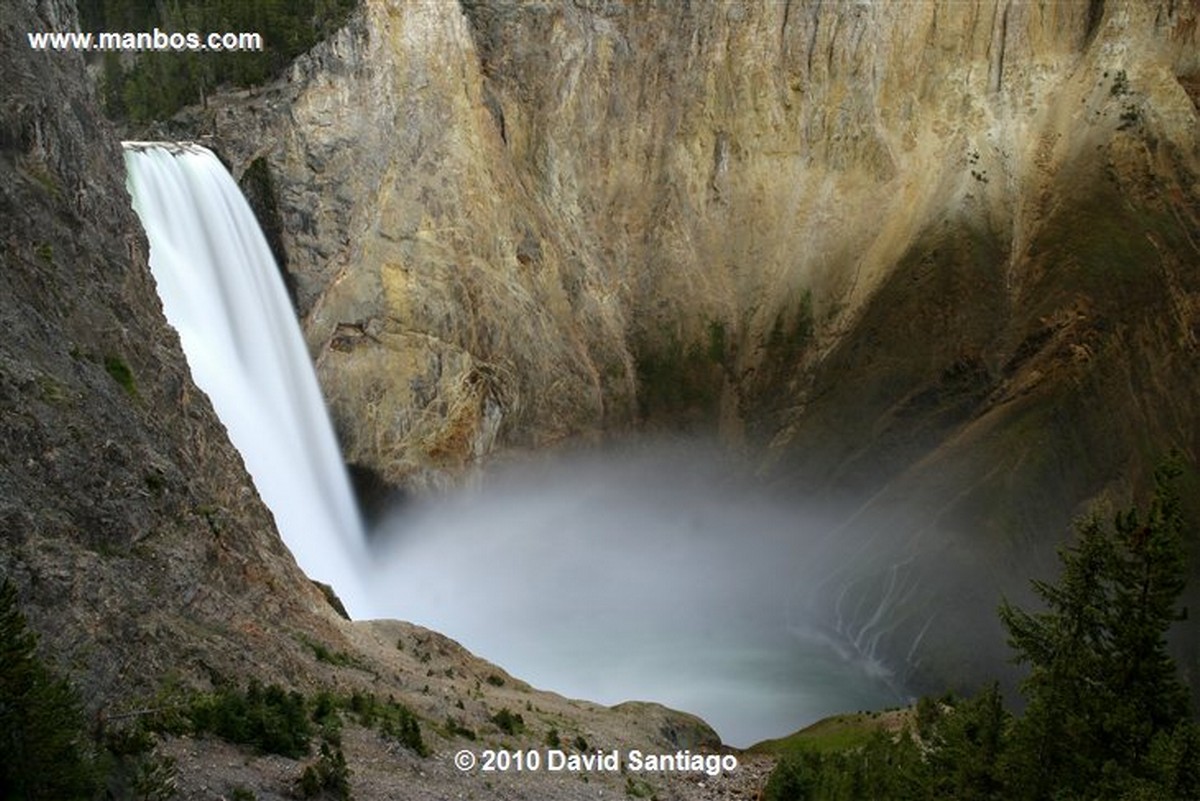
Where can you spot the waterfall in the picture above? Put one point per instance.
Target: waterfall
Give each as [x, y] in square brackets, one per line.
[222, 291]
[651, 574]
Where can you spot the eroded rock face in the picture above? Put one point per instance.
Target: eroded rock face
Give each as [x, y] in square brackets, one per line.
[448, 308]
[508, 220]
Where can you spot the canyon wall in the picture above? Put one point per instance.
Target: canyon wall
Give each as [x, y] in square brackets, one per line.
[933, 263]
[507, 221]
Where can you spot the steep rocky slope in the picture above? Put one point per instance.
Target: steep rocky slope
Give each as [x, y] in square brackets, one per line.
[934, 262]
[130, 526]
[138, 546]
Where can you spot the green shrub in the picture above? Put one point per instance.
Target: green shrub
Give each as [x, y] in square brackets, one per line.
[717, 344]
[330, 657]
[393, 719]
[270, 719]
[399, 723]
[508, 721]
[456, 728]
[639, 788]
[328, 777]
[120, 372]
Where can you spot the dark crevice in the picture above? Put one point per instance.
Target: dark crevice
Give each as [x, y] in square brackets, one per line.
[999, 41]
[259, 188]
[1095, 17]
[375, 495]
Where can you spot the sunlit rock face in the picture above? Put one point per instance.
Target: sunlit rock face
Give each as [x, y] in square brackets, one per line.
[504, 220]
[449, 309]
[938, 255]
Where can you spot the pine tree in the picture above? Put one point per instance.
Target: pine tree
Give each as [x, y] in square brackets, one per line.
[43, 745]
[966, 748]
[1102, 689]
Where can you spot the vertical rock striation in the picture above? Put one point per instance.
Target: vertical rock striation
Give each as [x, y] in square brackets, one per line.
[507, 219]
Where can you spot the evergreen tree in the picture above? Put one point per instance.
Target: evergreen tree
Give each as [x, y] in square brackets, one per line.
[1107, 718]
[1102, 688]
[43, 744]
[966, 748]
[147, 86]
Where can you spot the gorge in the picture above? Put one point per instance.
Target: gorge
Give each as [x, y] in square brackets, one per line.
[926, 274]
[927, 268]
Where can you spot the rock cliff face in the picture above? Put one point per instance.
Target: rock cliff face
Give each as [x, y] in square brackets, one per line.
[940, 255]
[130, 527]
[506, 221]
[448, 307]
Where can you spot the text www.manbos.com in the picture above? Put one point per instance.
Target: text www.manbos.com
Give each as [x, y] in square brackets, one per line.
[146, 40]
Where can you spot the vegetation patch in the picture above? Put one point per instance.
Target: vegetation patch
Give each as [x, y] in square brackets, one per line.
[831, 735]
[678, 382]
[393, 720]
[456, 728]
[155, 84]
[508, 721]
[269, 719]
[639, 788]
[44, 748]
[330, 657]
[793, 329]
[116, 367]
[274, 721]
[47, 748]
[327, 777]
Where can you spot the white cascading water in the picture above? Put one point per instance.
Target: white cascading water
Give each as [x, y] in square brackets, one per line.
[222, 291]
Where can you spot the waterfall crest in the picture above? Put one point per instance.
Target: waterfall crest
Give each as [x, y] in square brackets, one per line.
[222, 291]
